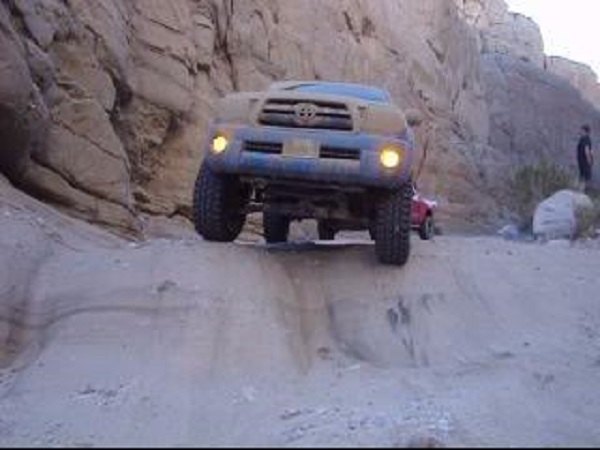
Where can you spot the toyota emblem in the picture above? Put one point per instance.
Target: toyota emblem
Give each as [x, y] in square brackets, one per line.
[305, 113]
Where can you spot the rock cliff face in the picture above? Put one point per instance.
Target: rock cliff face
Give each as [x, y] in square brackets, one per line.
[502, 32]
[581, 76]
[104, 103]
[536, 104]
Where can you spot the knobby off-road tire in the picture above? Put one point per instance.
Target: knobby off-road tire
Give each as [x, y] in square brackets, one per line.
[218, 206]
[426, 229]
[393, 226]
[276, 228]
[326, 230]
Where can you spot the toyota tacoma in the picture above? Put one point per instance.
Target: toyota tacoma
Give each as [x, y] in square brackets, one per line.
[339, 153]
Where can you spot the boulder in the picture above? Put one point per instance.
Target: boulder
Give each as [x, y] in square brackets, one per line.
[561, 216]
[510, 232]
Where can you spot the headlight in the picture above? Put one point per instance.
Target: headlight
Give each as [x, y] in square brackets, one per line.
[219, 144]
[391, 157]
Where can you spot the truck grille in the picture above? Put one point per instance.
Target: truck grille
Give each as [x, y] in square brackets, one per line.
[269, 148]
[352, 154]
[318, 115]
[325, 152]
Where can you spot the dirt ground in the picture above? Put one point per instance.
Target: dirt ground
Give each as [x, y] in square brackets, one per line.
[178, 342]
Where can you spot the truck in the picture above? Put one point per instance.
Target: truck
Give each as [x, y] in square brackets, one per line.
[339, 153]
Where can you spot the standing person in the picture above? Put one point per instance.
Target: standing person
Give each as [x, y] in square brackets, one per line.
[585, 158]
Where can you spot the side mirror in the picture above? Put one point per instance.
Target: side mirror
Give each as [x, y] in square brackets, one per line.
[414, 118]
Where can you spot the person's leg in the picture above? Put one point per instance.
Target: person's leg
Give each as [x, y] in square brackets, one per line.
[586, 176]
[580, 179]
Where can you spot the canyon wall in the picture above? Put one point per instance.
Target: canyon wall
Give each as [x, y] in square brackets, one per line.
[104, 103]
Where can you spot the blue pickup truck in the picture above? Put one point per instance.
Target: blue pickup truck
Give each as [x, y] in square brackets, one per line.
[339, 153]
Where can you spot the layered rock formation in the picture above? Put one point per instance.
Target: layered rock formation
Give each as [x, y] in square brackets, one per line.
[535, 110]
[502, 32]
[104, 103]
[581, 76]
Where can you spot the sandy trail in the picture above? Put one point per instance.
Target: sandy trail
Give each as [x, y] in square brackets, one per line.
[477, 341]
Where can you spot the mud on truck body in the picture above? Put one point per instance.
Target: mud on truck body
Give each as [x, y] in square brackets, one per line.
[338, 153]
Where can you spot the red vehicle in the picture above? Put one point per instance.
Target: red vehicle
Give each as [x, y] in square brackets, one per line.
[422, 212]
[422, 215]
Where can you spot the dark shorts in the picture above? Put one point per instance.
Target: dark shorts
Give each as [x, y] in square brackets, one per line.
[585, 171]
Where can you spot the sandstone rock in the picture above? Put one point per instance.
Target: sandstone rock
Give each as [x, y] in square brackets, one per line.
[158, 227]
[81, 144]
[77, 64]
[559, 216]
[23, 115]
[53, 188]
[165, 51]
[581, 76]
[84, 149]
[41, 66]
[45, 20]
[534, 115]
[504, 32]
[109, 22]
[144, 129]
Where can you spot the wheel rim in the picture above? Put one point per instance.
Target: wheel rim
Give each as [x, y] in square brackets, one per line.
[429, 227]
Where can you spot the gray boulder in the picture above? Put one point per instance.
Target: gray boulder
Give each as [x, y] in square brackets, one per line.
[562, 215]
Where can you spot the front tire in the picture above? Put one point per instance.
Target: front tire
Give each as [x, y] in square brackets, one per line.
[218, 206]
[427, 229]
[393, 226]
[276, 228]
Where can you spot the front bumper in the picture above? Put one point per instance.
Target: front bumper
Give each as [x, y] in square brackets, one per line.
[345, 158]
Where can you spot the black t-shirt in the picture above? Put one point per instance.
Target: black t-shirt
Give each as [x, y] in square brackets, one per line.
[584, 143]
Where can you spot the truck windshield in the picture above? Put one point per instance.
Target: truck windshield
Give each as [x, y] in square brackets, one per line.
[367, 93]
